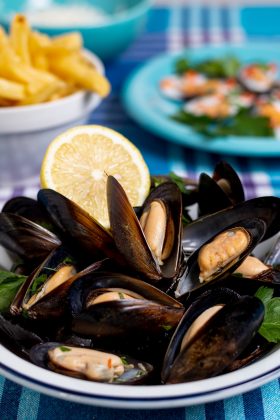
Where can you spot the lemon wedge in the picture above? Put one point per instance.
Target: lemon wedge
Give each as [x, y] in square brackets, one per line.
[78, 161]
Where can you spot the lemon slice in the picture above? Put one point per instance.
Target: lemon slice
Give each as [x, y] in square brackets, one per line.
[78, 161]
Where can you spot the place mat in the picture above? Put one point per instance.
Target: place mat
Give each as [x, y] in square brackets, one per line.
[167, 29]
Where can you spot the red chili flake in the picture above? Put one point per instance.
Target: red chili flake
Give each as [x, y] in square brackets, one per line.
[109, 363]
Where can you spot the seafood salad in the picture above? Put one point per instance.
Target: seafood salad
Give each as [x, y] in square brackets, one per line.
[159, 298]
[222, 97]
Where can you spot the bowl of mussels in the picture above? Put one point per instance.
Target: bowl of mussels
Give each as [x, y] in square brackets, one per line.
[178, 303]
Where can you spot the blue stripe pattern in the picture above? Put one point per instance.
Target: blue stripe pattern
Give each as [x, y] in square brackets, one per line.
[195, 24]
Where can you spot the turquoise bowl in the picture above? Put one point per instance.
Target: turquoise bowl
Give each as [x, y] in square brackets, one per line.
[124, 21]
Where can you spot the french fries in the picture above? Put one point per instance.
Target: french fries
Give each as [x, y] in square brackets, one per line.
[35, 68]
[19, 38]
[11, 90]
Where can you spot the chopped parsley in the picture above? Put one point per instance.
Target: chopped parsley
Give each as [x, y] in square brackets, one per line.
[64, 349]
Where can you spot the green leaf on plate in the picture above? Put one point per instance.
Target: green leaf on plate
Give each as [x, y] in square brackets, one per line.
[241, 124]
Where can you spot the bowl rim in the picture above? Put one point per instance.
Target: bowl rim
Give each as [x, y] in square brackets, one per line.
[57, 102]
[115, 19]
[219, 387]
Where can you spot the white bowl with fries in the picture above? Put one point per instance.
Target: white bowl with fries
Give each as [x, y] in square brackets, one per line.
[46, 86]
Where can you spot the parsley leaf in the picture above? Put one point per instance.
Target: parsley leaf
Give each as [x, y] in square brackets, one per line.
[241, 124]
[64, 349]
[38, 282]
[270, 328]
[213, 68]
[166, 327]
[9, 285]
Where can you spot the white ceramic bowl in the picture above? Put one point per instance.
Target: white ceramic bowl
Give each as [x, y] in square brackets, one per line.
[26, 131]
[157, 396]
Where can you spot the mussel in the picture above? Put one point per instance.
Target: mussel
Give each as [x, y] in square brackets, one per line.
[221, 255]
[90, 364]
[202, 229]
[107, 304]
[151, 246]
[83, 234]
[30, 209]
[220, 191]
[26, 239]
[44, 293]
[17, 338]
[258, 78]
[215, 329]
[254, 269]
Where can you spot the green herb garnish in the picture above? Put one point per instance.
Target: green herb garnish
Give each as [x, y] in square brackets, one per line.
[121, 295]
[166, 327]
[235, 274]
[270, 328]
[124, 361]
[63, 348]
[181, 184]
[9, 285]
[69, 260]
[241, 124]
[38, 282]
[179, 181]
[139, 373]
[213, 68]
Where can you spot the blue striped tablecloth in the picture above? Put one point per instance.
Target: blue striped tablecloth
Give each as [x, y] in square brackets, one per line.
[168, 29]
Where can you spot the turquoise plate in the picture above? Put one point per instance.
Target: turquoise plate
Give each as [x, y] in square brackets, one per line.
[145, 103]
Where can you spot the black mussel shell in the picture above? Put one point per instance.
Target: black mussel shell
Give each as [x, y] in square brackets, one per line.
[189, 281]
[16, 338]
[152, 312]
[219, 342]
[227, 178]
[202, 229]
[257, 348]
[138, 372]
[83, 234]
[25, 238]
[210, 298]
[31, 210]
[127, 230]
[220, 191]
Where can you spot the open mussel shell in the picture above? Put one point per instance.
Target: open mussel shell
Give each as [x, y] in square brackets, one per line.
[25, 238]
[220, 191]
[42, 295]
[258, 85]
[217, 344]
[90, 364]
[209, 299]
[84, 235]
[139, 308]
[129, 236]
[202, 229]
[30, 209]
[221, 255]
[256, 270]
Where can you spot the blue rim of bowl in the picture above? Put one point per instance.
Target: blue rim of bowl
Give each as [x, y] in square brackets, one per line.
[114, 19]
[275, 372]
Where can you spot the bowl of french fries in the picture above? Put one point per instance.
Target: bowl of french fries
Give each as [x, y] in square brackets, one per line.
[46, 85]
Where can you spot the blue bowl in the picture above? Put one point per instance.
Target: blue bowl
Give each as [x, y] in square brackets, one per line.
[124, 21]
